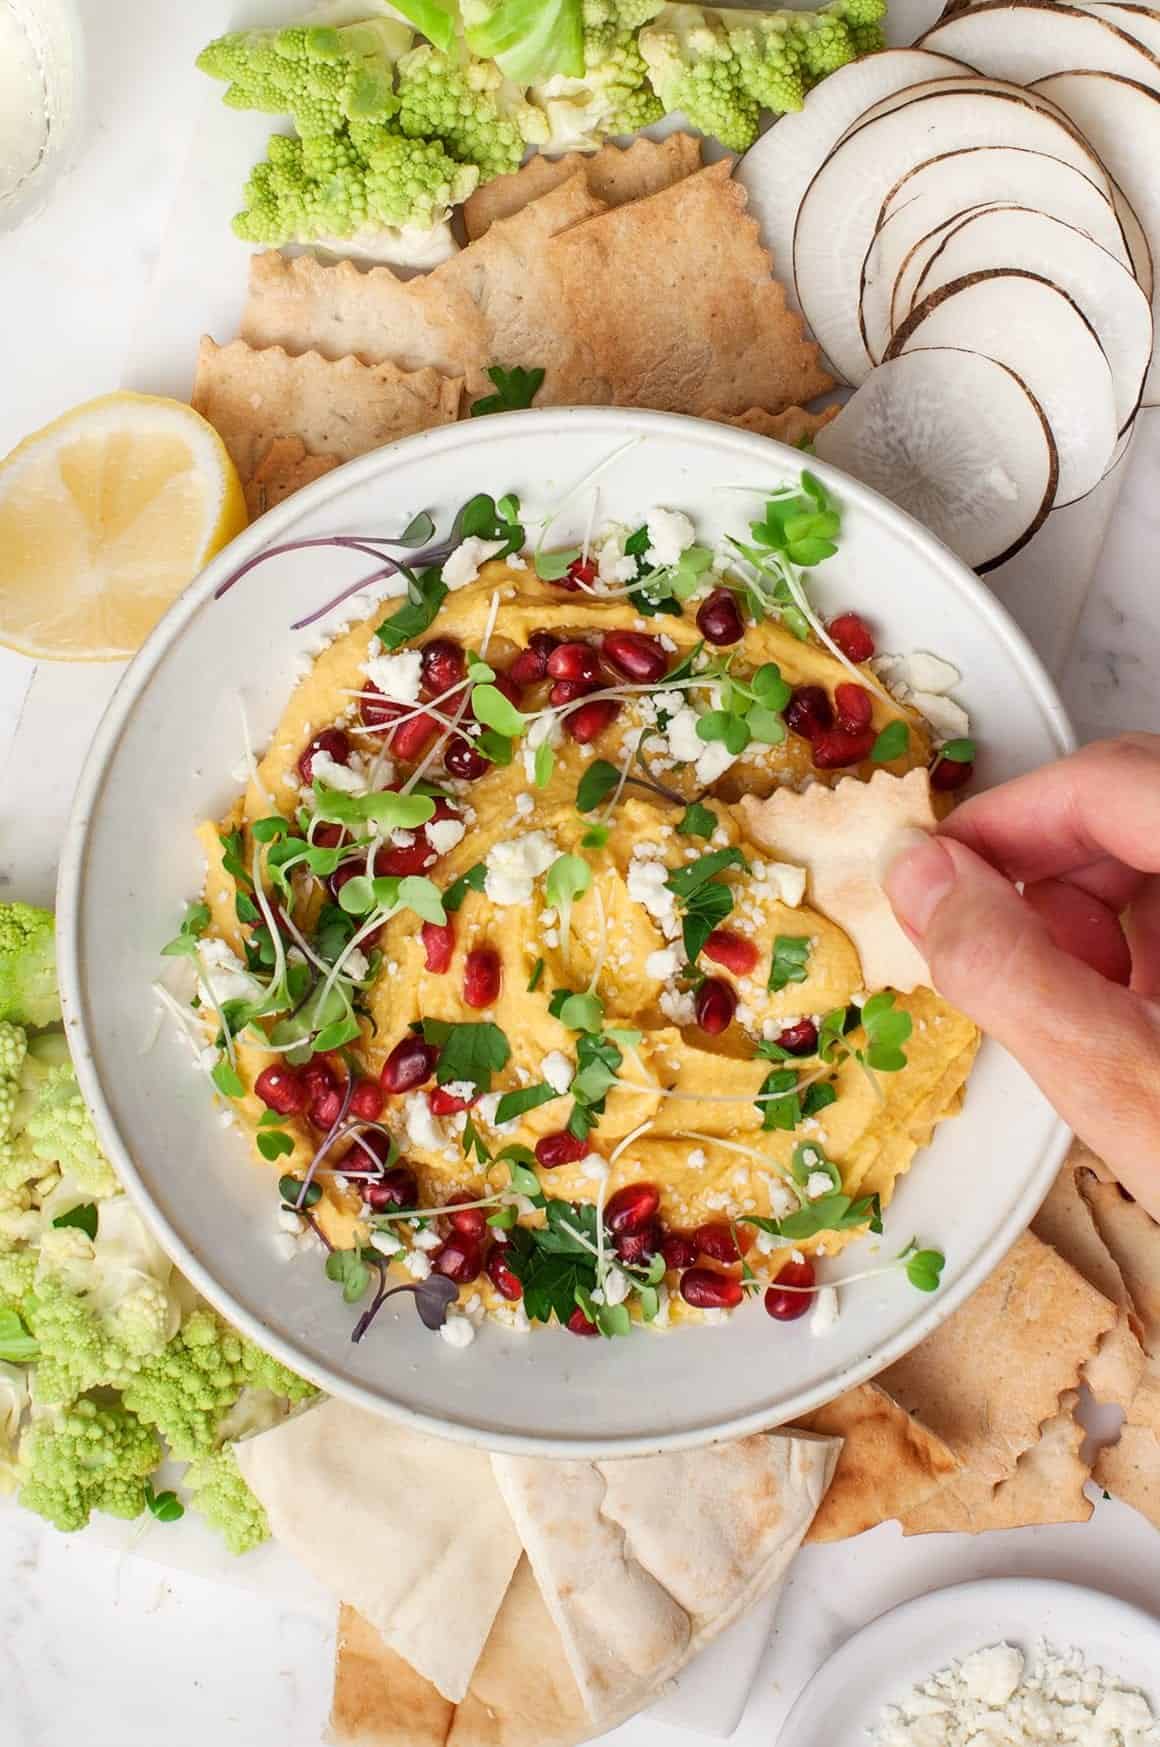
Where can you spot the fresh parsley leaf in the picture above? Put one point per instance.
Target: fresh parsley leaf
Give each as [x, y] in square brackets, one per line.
[471, 881]
[704, 911]
[596, 784]
[551, 1278]
[534, 979]
[817, 1097]
[83, 1217]
[165, 1506]
[470, 1052]
[17, 1347]
[514, 1104]
[271, 829]
[514, 389]
[780, 1107]
[425, 595]
[697, 821]
[275, 1144]
[472, 1142]
[828, 1213]
[891, 743]
[684, 881]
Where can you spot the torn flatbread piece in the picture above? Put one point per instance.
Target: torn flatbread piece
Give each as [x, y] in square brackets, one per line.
[614, 174]
[1130, 1470]
[1133, 1237]
[286, 420]
[845, 838]
[1047, 1486]
[993, 1373]
[379, 1700]
[675, 298]
[889, 1463]
[522, 1693]
[795, 426]
[431, 1595]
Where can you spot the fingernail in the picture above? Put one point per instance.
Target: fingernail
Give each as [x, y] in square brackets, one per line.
[917, 881]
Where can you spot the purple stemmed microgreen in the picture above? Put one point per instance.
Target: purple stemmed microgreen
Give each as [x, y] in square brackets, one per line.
[433, 1297]
[329, 1139]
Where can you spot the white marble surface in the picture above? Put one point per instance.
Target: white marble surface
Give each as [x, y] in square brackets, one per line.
[104, 1645]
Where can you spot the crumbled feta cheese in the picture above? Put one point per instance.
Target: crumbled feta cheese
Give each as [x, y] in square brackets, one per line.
[444, 834]
[616, 1286]
[417, 1264]
[677, 1005]
[698, 1159]
[463, 565]
[669, 534]
[948, 719]
[423, 1129]
[544, 729]
[665, 964]
[557, 1070]
[289, 1221]
[685, 743]
[356, 964]
[525, 805]
[398, 677]
[221, 974]
[285, 1247]
[458, 1331]
[824, 1314]
[386, 1243]
[594, 1167]
[514, 864]
[930, 673]
[787, 882]
[817, 1183]
[714, 761]
[348, 779]
[646, 885]
[427, 1240]
[612, 566]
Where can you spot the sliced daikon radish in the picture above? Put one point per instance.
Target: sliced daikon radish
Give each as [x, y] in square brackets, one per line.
[1122, 120]
[1027, 40]
[778, 169]
[957, 440]
[1139, 21]
[963, 81]
[842, 205]
[1102, 288]
[1035, 329]
[1138, 245]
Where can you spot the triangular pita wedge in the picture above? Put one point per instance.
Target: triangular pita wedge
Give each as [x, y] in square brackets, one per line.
[522, 1693]
[794, 426]
[845, 837]
[410, 1530]
[676, 302]
[379, 1700]
[642, 1562]
[1047, 1486]
[889, 1463]
[276, 412]
[1130, 1470]
[994, 1372]
[614, 174]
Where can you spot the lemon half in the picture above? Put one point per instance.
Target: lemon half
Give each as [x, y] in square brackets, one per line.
[105, 516]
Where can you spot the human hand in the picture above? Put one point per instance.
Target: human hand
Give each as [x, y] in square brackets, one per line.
[1067, 975]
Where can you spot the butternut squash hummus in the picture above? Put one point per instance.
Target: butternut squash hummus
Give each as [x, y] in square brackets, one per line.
[501, 984]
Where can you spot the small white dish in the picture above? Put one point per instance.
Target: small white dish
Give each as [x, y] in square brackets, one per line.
[161, 761]
[842, 1704]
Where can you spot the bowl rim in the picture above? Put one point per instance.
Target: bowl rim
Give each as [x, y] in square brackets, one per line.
[617, 422]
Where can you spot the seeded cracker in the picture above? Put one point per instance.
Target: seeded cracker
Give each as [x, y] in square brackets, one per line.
[888, 1465]
[287, 419]
[614, 174]
[795, 426]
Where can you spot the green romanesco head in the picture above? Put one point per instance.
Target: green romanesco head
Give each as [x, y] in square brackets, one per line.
[863, 19]
[13, 1050]
[223, 1498]
[466, 106]
[76, 1353]
[693, 67]
[17, 1273]
[827, 44]
[607, 21]
[60, 1132]
[28, 992]
[771, 58]
[317, 75]
[85, 1458]
[618, 76]
[414, 182]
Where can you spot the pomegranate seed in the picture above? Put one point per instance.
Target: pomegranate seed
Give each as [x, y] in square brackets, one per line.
[407, 858]
[367, 1100]
[438, 944]
[705, 1290]
[715, 1239]
[471, 1222]
[398, 1188]
[580, 1325]
[632, 1207]
[800, 1039]
[443, 664]
[502, 1278]
[852, 635]
[409, 1064]
[331, 741]
[638, 657]
[946, 775]
[325, 1108]
[573, 661]
[788, 1306]
[531, 664]
[719, 619]
[635, 1247]
[412, 738]
[328, 836]
[369, 1148]
[809, 712]
[445, 1103]
[566, 691]
[853, 707]
[581, 570]
[679, 1249]
[584, 724]
[459, 1258]
[461, 759]
[482, 975]
[560, 1148]
[714, 1006]
[836, 748]
[376, 710]
[282, 1088]
[732, 950]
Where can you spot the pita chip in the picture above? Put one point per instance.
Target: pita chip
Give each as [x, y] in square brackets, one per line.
[845, 838]
[675, 298]
[432, 1596]
[994, 1372]
[888, 1464]
[379, 1700]
[1133, 1237]
[286, 420]
[614, 174]
[1047, 1486]
[793, 427]
[1130, 1470]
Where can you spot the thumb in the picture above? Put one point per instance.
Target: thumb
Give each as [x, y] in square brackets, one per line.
[1091, 1046]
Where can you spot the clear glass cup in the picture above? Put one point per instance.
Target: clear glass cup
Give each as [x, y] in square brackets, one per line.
[41, 86]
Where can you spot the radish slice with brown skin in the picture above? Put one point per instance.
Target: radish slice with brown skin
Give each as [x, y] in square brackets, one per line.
[1102, 288]
[1021, 320]
[839, 214]
[1122, 120]
[959, 442]
[1029, 40]
[778, 168]
[958, 81]
[1142, 22]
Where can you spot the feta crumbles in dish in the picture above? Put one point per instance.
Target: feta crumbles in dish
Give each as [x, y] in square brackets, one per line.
[500, 980]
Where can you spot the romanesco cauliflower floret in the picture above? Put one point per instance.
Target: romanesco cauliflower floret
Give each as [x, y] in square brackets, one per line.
[771, 58]
[694, 67]
[614, 65]
[17, 1273]
[61, 1132]
[863, 19]
[221, 1495]
[13, 1402]
[469, 108]
[827, 44]
[319, 76]
[13, 1050]
[86, 1458]
[28, 992]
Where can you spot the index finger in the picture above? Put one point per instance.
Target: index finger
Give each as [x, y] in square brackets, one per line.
[1102, 801]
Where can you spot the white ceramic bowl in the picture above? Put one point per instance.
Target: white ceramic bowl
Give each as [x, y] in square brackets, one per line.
[161, 761]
